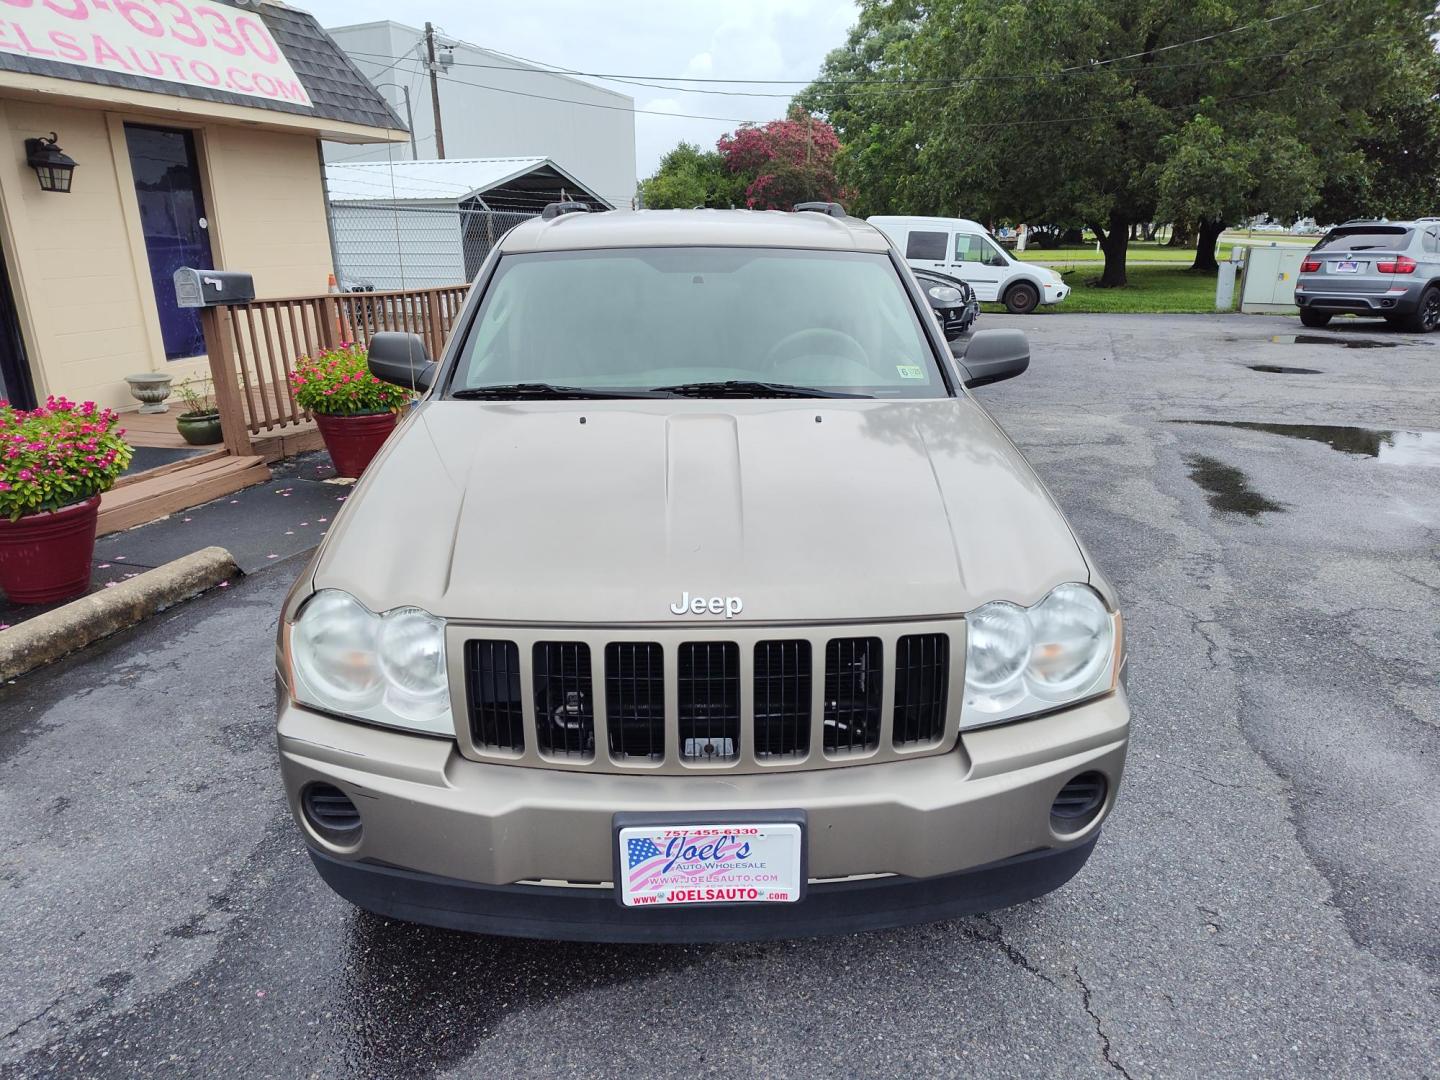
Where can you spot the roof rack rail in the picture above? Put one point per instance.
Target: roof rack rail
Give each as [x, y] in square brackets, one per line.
[834, 209]
[1365, 221]
[555, 209]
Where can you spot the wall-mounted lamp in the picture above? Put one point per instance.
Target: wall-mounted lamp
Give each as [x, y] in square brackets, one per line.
[52, 165]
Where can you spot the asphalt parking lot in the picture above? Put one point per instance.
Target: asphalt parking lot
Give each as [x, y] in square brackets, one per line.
[1265, 901]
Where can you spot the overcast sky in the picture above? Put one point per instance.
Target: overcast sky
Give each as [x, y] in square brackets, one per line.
[727, 39]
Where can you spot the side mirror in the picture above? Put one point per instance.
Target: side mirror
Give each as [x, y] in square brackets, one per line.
[400, 359]
[992, 356]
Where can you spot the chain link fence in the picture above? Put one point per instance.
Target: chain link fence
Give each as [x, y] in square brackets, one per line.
[379, 246]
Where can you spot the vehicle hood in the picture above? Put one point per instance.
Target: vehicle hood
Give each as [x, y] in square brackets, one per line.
[610, 511]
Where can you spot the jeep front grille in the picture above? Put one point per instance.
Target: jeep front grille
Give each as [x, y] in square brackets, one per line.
[709, 693]
[782, 699]
[492, 678]
[854, 683]
[564, 709]
[922, 683]
[635, 700]
[723, 697]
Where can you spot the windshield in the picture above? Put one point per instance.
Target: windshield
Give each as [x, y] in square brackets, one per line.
[1366, 238]
[643, 319]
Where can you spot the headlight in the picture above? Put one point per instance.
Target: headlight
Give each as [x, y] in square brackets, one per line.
[388, 669]
[946, 294]
[1020, 661]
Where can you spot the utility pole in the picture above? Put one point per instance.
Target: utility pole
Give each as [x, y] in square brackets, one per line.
[434, 91]
[409, 116]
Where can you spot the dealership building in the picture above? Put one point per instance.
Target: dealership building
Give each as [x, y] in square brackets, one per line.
[141, 138]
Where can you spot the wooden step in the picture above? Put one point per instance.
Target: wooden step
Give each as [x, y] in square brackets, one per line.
[172, 466]
[153, 496]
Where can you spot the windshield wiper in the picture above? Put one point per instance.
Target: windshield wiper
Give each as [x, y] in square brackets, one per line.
[506, 391]
[746, 388]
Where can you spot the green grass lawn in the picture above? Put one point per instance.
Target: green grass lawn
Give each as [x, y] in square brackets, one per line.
[1139, 252]
[1156, 289]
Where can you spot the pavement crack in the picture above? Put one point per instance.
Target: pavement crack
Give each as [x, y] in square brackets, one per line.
[1196, 772]
[32, 1019]
[1105, 1047]
[997, 938]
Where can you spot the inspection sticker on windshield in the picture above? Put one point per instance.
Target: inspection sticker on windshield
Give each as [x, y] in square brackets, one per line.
[664, 865]
[910, 371]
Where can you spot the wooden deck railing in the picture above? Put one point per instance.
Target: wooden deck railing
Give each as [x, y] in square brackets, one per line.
[253, 347]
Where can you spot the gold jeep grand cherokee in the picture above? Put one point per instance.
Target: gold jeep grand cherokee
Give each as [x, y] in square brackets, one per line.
[698, 599]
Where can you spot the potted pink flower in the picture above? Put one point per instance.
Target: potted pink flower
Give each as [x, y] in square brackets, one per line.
[354, 410]
[54, 463]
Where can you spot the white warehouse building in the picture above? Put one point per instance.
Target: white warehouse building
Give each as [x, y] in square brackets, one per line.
[493, 106]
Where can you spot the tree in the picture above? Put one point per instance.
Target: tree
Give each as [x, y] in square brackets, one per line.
[1068, 111]
[1216, 177]
[689, 177]
[783, 162]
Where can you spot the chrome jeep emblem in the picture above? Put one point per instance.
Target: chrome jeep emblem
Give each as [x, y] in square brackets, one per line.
[729, 606]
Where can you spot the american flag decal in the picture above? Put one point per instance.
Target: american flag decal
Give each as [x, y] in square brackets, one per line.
[645, 860]
[642, 850]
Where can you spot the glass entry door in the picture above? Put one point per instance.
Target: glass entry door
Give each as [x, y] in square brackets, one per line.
[172, 217]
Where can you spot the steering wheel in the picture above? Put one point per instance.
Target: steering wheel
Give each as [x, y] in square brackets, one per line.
[817, 341]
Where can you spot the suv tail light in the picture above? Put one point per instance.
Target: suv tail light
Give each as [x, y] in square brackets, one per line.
[1402, 265]
[1310, 266]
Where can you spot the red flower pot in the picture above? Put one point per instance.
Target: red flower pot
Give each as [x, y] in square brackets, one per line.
[353, 440]
[46, 557]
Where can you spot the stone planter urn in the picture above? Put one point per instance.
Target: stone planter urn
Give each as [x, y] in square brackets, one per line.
[150, 389]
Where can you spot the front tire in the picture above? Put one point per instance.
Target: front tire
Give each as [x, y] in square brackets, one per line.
[1314, 318]
[1021, 298]
[1427, 315]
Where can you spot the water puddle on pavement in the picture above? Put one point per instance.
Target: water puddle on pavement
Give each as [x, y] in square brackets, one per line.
[1326, 339]
[1276, 369]
[1228, 489]
[1390, 447]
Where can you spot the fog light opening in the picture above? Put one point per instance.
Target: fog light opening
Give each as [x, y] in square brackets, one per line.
[1079, 803]
[332, 815]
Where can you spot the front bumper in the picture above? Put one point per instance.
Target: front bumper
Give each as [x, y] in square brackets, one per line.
[436, 822]
[1053, 294]
[571, 914]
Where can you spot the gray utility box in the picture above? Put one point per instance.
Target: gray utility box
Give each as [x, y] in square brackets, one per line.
[212, 288]
[1270, 275]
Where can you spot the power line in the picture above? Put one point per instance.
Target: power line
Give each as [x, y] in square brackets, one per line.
[906, 86]
[1077, 70]
[596, 104]
[738, 120]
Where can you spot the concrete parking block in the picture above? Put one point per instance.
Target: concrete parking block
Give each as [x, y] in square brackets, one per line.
[61, 631]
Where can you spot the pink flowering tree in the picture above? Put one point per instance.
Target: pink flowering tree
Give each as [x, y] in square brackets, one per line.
[785, 161]
[338, 383]
[58, 454]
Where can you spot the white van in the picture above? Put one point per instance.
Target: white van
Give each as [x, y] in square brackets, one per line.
[962, 248]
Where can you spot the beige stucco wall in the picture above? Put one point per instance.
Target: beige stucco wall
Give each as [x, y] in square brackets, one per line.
[82, 309]
[77, 262]
[269, 206]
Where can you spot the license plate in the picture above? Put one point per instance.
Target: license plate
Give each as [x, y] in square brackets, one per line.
[750, 862]
[1347, 267]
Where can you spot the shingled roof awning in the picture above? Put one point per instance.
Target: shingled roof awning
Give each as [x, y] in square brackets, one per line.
[336, 89]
